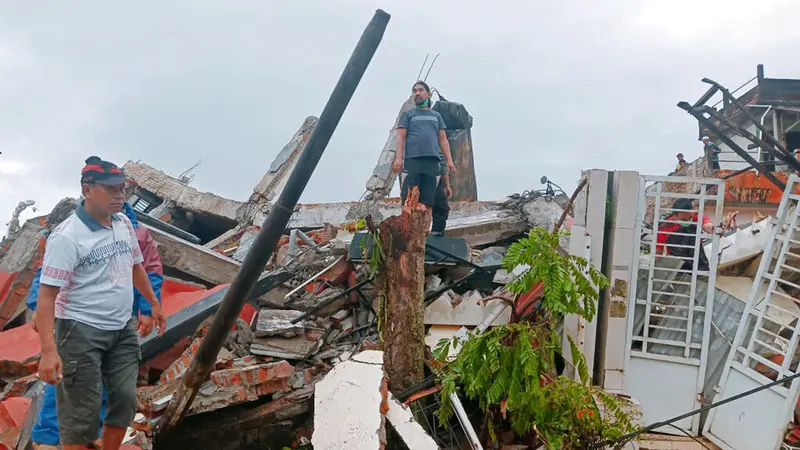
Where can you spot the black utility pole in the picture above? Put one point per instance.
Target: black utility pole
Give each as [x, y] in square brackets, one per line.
[275, 223]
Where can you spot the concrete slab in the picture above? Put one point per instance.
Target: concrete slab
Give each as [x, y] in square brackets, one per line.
[486, 228]
[446, 310]
[278, 322]
[414, 436]
[184, 196]
[193, 259]
[298, 347]
[347, 405]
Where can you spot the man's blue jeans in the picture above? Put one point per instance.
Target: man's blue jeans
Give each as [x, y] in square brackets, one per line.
[45, 431]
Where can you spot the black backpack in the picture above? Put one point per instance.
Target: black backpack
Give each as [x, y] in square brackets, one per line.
[702, 259]
[454, 114]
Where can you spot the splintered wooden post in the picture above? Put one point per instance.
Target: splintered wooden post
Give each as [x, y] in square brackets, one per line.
[403, 239]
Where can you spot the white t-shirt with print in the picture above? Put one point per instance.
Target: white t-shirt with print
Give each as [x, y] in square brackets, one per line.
[93, 266]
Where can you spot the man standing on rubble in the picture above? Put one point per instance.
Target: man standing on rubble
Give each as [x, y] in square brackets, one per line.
[420, 139]
[45, 431]
[712, 152]
[92, 263]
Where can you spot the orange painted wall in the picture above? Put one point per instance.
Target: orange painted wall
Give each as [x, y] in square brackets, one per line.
[752, 189]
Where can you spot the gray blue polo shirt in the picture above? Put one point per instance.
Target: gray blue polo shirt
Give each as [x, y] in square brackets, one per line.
[93, 266]
[422, 135]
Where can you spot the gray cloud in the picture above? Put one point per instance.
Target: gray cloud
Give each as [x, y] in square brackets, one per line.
[554, 89]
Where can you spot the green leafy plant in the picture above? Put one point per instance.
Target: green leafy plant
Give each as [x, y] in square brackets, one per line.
[571, 284]
[372, 252]
[510, 369]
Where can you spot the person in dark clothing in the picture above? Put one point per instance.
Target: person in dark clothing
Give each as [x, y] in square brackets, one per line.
[441, 205]
[712, 152]
[684, 222]
[420, 140]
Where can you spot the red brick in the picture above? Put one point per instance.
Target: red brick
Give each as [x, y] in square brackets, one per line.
[179, 367]
[252, 375]
[12, 416]
[19, 387]
[224, 360]
[272, 387]
[19, 351]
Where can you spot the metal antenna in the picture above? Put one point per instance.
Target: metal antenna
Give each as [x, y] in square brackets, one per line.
[184, 177]
[431, 66]
[423, 67]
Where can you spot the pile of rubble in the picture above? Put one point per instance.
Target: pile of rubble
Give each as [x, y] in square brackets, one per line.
[314, 308]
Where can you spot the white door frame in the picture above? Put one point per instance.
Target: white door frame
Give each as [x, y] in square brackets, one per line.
[666, 375]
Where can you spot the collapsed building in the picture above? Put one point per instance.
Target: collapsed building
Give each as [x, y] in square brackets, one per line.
[311, 310]
[305, 343]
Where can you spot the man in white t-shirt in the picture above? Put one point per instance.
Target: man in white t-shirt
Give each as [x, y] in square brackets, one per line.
[92, 263]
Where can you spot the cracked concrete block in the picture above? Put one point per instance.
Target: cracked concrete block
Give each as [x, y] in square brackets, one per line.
[347, 404]
[298, 347]
[278, 322]
[414, 436]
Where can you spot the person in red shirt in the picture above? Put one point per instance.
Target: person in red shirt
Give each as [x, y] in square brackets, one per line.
[682, 212]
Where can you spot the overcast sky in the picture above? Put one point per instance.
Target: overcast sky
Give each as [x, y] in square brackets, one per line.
[554, 87]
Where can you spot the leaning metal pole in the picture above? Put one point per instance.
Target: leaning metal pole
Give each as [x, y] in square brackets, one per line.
[275, 223]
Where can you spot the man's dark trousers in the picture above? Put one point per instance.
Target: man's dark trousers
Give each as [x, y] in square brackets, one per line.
[441, 208]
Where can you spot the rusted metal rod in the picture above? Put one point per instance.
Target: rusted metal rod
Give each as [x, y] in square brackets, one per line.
[272, 229]
[568, 206]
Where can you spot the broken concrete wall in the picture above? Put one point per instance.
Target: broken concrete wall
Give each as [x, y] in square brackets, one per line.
[316, 215]
[696, 169]
[184, 196]
[21, 259]
[13, 225]
[463, 182]
[382, 180]
[273, 182]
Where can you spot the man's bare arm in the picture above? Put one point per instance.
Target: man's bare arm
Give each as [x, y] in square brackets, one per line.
[50, 366]
[401, 144]
[445, 145]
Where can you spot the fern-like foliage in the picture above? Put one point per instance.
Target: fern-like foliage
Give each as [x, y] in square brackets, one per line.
[510, 369]
[372, 252]
[571, 284]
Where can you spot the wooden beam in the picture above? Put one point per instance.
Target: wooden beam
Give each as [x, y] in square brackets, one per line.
[193, 259]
